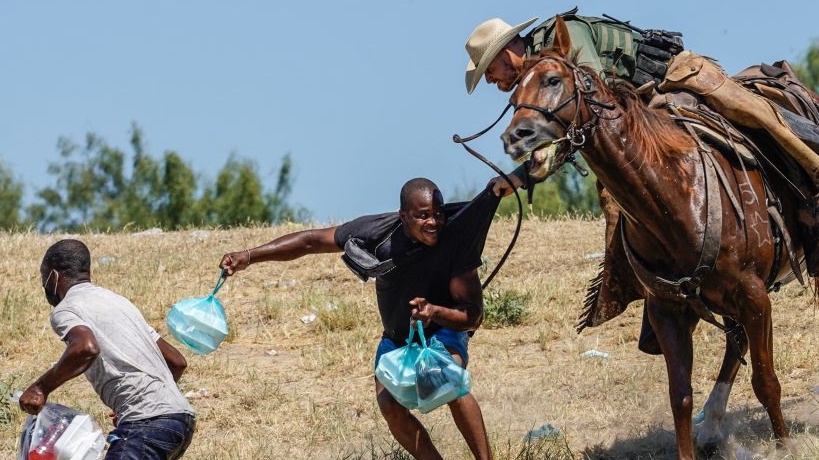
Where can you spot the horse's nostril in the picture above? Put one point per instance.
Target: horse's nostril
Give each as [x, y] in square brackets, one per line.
[523, 133]
[509, 138]
[516, 135]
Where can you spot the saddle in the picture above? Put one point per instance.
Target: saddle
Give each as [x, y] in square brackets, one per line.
[748, 105]
[798, 105]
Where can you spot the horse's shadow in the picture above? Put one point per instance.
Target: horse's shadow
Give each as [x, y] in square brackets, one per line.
[749, 432]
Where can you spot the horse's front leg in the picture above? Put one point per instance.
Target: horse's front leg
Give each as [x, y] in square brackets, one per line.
[674, 324]
[711, 433]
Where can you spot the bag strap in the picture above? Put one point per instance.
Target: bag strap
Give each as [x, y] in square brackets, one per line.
[411, 334]
[219, 283]
[420, 326]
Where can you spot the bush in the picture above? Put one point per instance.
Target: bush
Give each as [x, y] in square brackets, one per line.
[504, 308]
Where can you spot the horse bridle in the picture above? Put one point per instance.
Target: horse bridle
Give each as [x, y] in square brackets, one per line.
[575, 132]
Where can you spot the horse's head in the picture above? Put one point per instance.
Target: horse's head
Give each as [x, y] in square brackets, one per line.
[550, 119]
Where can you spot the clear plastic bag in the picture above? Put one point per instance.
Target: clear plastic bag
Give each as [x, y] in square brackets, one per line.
[396, 371]
[439, 379]
[200, 323]
[61, 433]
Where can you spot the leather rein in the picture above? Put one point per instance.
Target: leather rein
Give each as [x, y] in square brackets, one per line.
[459, 140]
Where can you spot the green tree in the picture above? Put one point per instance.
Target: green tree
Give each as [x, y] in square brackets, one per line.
[238, 196]
[11, 195]
[89, 181]
[139, 203]
[94, 190]
[177, 204]
[278, 200]
[808, 68]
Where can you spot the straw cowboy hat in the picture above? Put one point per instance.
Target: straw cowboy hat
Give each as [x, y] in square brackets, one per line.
[485, 43]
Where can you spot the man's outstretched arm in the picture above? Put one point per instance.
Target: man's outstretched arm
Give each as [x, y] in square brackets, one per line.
[286, 247]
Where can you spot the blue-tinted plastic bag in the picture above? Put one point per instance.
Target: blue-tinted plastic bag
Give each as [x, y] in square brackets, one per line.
[438, 378]
[200, 323]
[396, 371]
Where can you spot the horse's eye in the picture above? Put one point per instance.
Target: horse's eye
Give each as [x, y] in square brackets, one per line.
[553, 81]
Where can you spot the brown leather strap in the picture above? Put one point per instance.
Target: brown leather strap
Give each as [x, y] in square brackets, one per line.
[688, 287]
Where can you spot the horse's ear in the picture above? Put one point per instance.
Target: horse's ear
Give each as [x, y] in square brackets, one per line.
[563, 42]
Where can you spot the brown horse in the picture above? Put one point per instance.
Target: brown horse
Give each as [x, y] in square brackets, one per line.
[696, 224]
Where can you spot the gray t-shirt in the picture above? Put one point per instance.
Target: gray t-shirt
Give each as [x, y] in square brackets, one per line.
[130, 375]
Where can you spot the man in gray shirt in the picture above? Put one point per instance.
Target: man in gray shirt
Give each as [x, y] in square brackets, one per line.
[132, 369]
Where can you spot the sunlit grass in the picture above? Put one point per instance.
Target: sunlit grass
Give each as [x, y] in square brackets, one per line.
[283, 385]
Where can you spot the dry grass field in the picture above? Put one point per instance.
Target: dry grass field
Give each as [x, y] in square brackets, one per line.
[282, 388]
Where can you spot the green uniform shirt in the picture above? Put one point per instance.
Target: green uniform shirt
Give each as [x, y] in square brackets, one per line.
[597, 42]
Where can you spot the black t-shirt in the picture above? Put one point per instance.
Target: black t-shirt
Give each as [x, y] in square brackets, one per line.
[421, 271]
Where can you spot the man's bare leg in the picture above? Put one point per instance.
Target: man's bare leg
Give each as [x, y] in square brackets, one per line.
[405, 428]
[469, 420]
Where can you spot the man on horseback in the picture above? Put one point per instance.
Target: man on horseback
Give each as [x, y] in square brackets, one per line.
[704, 227]
[497, 51]
[767, 97]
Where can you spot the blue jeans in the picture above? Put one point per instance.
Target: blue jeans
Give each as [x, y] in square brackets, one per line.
[157, 438]
[454, 340]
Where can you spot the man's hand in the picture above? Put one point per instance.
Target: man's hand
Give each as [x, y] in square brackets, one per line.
[423, 310]
[234, 261]
[33, 399]
[501, 188]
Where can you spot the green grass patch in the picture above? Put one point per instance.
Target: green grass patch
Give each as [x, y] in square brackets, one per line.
[504, 308]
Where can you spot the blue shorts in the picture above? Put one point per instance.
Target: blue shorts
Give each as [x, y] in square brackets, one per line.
[454, 340]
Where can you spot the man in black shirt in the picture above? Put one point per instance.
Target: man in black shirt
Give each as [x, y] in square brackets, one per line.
[425, 267]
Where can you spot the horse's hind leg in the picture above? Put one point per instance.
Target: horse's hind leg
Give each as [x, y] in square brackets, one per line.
[756, 318]
[711, 433]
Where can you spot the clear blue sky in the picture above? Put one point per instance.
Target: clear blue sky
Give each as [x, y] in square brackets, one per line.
[362, 94]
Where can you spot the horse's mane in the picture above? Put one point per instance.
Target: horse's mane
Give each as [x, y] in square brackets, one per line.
[659, 137]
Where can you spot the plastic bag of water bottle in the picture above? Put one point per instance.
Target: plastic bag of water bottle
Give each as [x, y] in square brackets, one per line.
[200, 322]
[396, 371]
[439, 379]
[61, 433]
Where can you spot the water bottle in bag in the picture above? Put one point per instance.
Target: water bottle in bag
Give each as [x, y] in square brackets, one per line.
[44, 450]
[61, 433]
